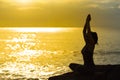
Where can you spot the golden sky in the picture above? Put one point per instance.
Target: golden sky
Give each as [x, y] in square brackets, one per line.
[59, 13]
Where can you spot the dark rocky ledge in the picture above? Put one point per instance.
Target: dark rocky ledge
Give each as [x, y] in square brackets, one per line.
[101, 72]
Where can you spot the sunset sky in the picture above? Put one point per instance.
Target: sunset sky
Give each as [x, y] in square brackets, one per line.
[59, 13]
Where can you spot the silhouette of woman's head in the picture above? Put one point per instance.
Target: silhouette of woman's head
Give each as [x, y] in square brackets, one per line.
[95, 37]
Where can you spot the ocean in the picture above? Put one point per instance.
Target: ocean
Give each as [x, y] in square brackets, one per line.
[39, 53]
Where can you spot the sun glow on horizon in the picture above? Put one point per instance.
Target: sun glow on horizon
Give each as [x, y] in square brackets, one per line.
[36, 29]
[23, 1]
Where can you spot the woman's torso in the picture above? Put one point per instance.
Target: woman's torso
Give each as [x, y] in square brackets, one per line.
[89, 46]
[87, 49]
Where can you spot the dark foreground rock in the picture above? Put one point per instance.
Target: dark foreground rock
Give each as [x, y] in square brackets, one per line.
[101, 72]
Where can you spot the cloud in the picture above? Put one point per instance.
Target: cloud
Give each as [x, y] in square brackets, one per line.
[119, 6]
[104, 4]
[104, 13]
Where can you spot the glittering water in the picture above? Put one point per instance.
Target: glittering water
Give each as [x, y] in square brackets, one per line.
[41, 54]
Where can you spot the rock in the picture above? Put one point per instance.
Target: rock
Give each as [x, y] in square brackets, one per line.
[101, 72]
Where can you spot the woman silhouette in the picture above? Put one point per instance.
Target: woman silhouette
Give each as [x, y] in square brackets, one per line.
[91, 39]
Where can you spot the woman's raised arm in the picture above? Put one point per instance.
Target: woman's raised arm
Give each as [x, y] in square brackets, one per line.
[87, 28]
[88, 23]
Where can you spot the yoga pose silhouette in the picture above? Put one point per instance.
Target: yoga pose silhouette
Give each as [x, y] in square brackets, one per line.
[90, 39]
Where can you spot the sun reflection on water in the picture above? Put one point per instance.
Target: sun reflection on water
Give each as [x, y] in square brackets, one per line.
[35, 53]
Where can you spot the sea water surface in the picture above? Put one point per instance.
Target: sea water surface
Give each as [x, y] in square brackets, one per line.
[41, 53]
